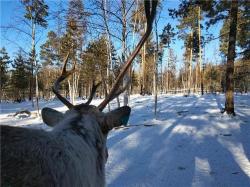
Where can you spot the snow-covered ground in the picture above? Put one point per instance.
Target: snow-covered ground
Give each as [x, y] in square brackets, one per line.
[190, 143]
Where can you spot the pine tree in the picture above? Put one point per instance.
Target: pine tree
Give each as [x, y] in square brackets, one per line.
[244, 25]
[76, 26]
[242, 35]
[19, 78]
[166, 38]
[167, 35]
[4, 62]
[189, 30]
[139, 21]
[115, 61]
[95, 62]
[72, 41]
[216, 11]
[50, 50]
[229, 104]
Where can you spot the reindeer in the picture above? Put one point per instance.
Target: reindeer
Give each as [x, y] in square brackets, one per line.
[74, 153]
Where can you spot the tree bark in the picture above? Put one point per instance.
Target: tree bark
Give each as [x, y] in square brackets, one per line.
[200, 55]
[155, 83]
[124, 46]
[143, 64]
[229, 104]
[168, 61]
[190, 63]
[108, 43]
[34, 62]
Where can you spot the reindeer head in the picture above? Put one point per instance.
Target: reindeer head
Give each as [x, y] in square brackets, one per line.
[85, 116]
[106, 121]
[90, 116]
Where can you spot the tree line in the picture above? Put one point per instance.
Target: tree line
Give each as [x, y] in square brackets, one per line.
[98, 51]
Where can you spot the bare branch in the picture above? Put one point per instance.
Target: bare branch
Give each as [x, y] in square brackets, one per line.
[150, 10]
[129, 8]
[15, 28]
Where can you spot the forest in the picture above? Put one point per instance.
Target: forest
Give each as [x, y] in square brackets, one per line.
[100, 37]
[181, 66]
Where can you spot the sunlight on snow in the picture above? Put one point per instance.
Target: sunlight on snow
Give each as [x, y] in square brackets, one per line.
[182, 129]
[239, 155]
[202, 172]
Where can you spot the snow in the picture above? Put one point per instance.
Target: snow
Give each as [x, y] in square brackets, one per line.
[189, 143]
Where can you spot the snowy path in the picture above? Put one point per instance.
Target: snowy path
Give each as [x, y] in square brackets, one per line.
[189, 144]
[192, 144]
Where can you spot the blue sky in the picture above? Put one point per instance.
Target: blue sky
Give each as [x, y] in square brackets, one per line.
[12, 9]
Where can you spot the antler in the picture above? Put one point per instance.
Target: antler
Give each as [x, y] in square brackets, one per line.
[94, 87]
[150, 11]
[63, 76]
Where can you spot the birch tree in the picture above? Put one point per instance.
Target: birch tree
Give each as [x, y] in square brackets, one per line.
[36, 13]
[76, 27]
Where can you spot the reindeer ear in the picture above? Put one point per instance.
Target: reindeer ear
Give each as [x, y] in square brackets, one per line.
[116, 118]
[51, 117]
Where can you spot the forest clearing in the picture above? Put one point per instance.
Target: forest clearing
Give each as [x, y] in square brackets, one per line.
[189, 140]
[125, 93]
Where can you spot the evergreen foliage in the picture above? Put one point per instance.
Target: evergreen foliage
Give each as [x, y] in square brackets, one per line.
[4, 65]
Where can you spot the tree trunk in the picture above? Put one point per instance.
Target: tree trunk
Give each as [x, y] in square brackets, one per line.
[168, 61]
[156, 69]
[36, 67]
[124, 46]
[229, 104]
[190, 63]
[200, 55]
[73, 86]
[108, 43]
[143, 64]
[118, 101]
[202, 84]
[196, 78]
[161, 73]
[37, 93]
[70, 91]
[75, 82]
[31, 85]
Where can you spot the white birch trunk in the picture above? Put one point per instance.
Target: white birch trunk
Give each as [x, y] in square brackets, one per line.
[109, 52]
[35, 65]
[124, 47]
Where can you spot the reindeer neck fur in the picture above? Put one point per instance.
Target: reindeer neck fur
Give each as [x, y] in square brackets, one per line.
[74, 149]
[81, 131]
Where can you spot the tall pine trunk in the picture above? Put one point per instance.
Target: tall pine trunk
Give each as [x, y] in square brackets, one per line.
[200, 55]
[229, 104]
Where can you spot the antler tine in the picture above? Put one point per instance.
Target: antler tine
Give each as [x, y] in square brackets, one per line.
[63, 76]
[150, 11]
[93, 91]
